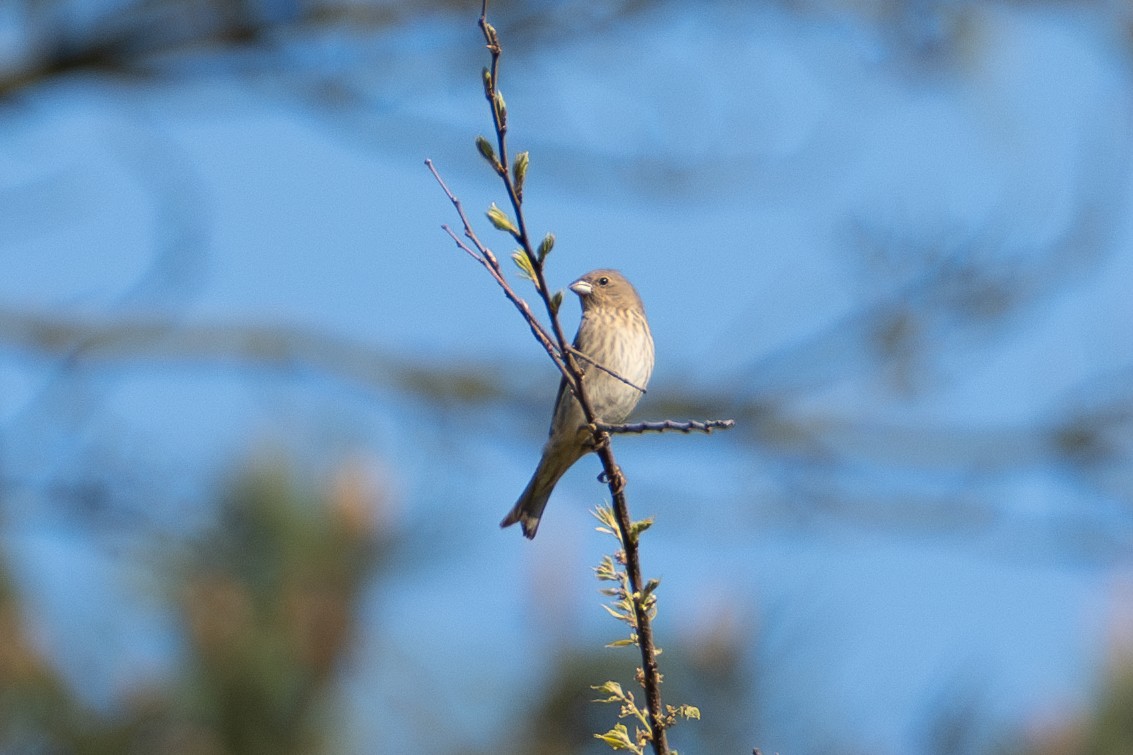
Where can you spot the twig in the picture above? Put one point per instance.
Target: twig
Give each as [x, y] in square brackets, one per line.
[692, 425]
[484, 256]
[606, 370]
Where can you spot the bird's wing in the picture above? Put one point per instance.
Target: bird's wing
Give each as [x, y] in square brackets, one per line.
[564, 391]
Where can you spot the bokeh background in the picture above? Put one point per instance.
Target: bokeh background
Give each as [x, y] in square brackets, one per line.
[259, 418]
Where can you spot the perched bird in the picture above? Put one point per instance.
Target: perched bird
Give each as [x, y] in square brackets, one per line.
[614, 334]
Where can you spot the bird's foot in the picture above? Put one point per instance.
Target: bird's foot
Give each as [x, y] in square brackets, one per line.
[597, 440]
[618, 479]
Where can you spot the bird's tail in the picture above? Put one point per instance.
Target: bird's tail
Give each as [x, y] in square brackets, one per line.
[529, 508]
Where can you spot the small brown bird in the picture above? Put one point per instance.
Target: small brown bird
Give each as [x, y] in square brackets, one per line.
[615, 334]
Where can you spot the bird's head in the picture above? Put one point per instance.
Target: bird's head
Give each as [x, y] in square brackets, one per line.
[606, 289]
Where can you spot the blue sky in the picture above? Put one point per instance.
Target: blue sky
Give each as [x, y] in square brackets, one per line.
[767, 178]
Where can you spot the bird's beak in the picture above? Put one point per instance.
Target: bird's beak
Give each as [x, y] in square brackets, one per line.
[582, 288]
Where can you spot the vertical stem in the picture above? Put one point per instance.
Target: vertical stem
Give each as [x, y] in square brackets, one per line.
[650, 673]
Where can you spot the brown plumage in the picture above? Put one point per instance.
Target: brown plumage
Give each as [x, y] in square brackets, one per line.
[614, 333]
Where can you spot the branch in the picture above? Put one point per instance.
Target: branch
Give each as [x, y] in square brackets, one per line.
[161, 339]
[651, 675]
[637, 428]
[484, 256]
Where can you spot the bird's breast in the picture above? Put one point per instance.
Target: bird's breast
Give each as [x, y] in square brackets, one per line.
[621, 343]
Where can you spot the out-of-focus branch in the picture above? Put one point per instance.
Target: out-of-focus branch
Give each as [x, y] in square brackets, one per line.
[1087, 438]
[935, 293]
[133, 38]
[1088, 434]
[129, 39]
[141, 339]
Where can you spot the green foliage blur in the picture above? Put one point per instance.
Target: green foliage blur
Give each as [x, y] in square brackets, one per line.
[1105, 728]
[266, 603]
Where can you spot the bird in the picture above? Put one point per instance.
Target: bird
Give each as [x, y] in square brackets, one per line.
[613, 333]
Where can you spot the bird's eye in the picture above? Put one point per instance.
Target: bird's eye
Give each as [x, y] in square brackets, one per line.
[603, 281]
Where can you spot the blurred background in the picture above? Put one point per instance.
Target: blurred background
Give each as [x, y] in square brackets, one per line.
[259, 418]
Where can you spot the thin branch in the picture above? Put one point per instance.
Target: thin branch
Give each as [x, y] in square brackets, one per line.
[484, 256]
[606, 370]
[484, 251]
[668, 425]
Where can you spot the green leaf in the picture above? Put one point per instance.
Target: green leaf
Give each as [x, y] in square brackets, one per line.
[636, 528]
[487, 152]
[557, 301]
[519, 170]
[605, 515]
[523, 262]
[610, 688]
[618, 738]
[501, 221]
[546, 245]
[487, 75]
[621, 643]
[605, 570]
[650, 586]
[619, 616]
[689, 712]
[501, 108]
